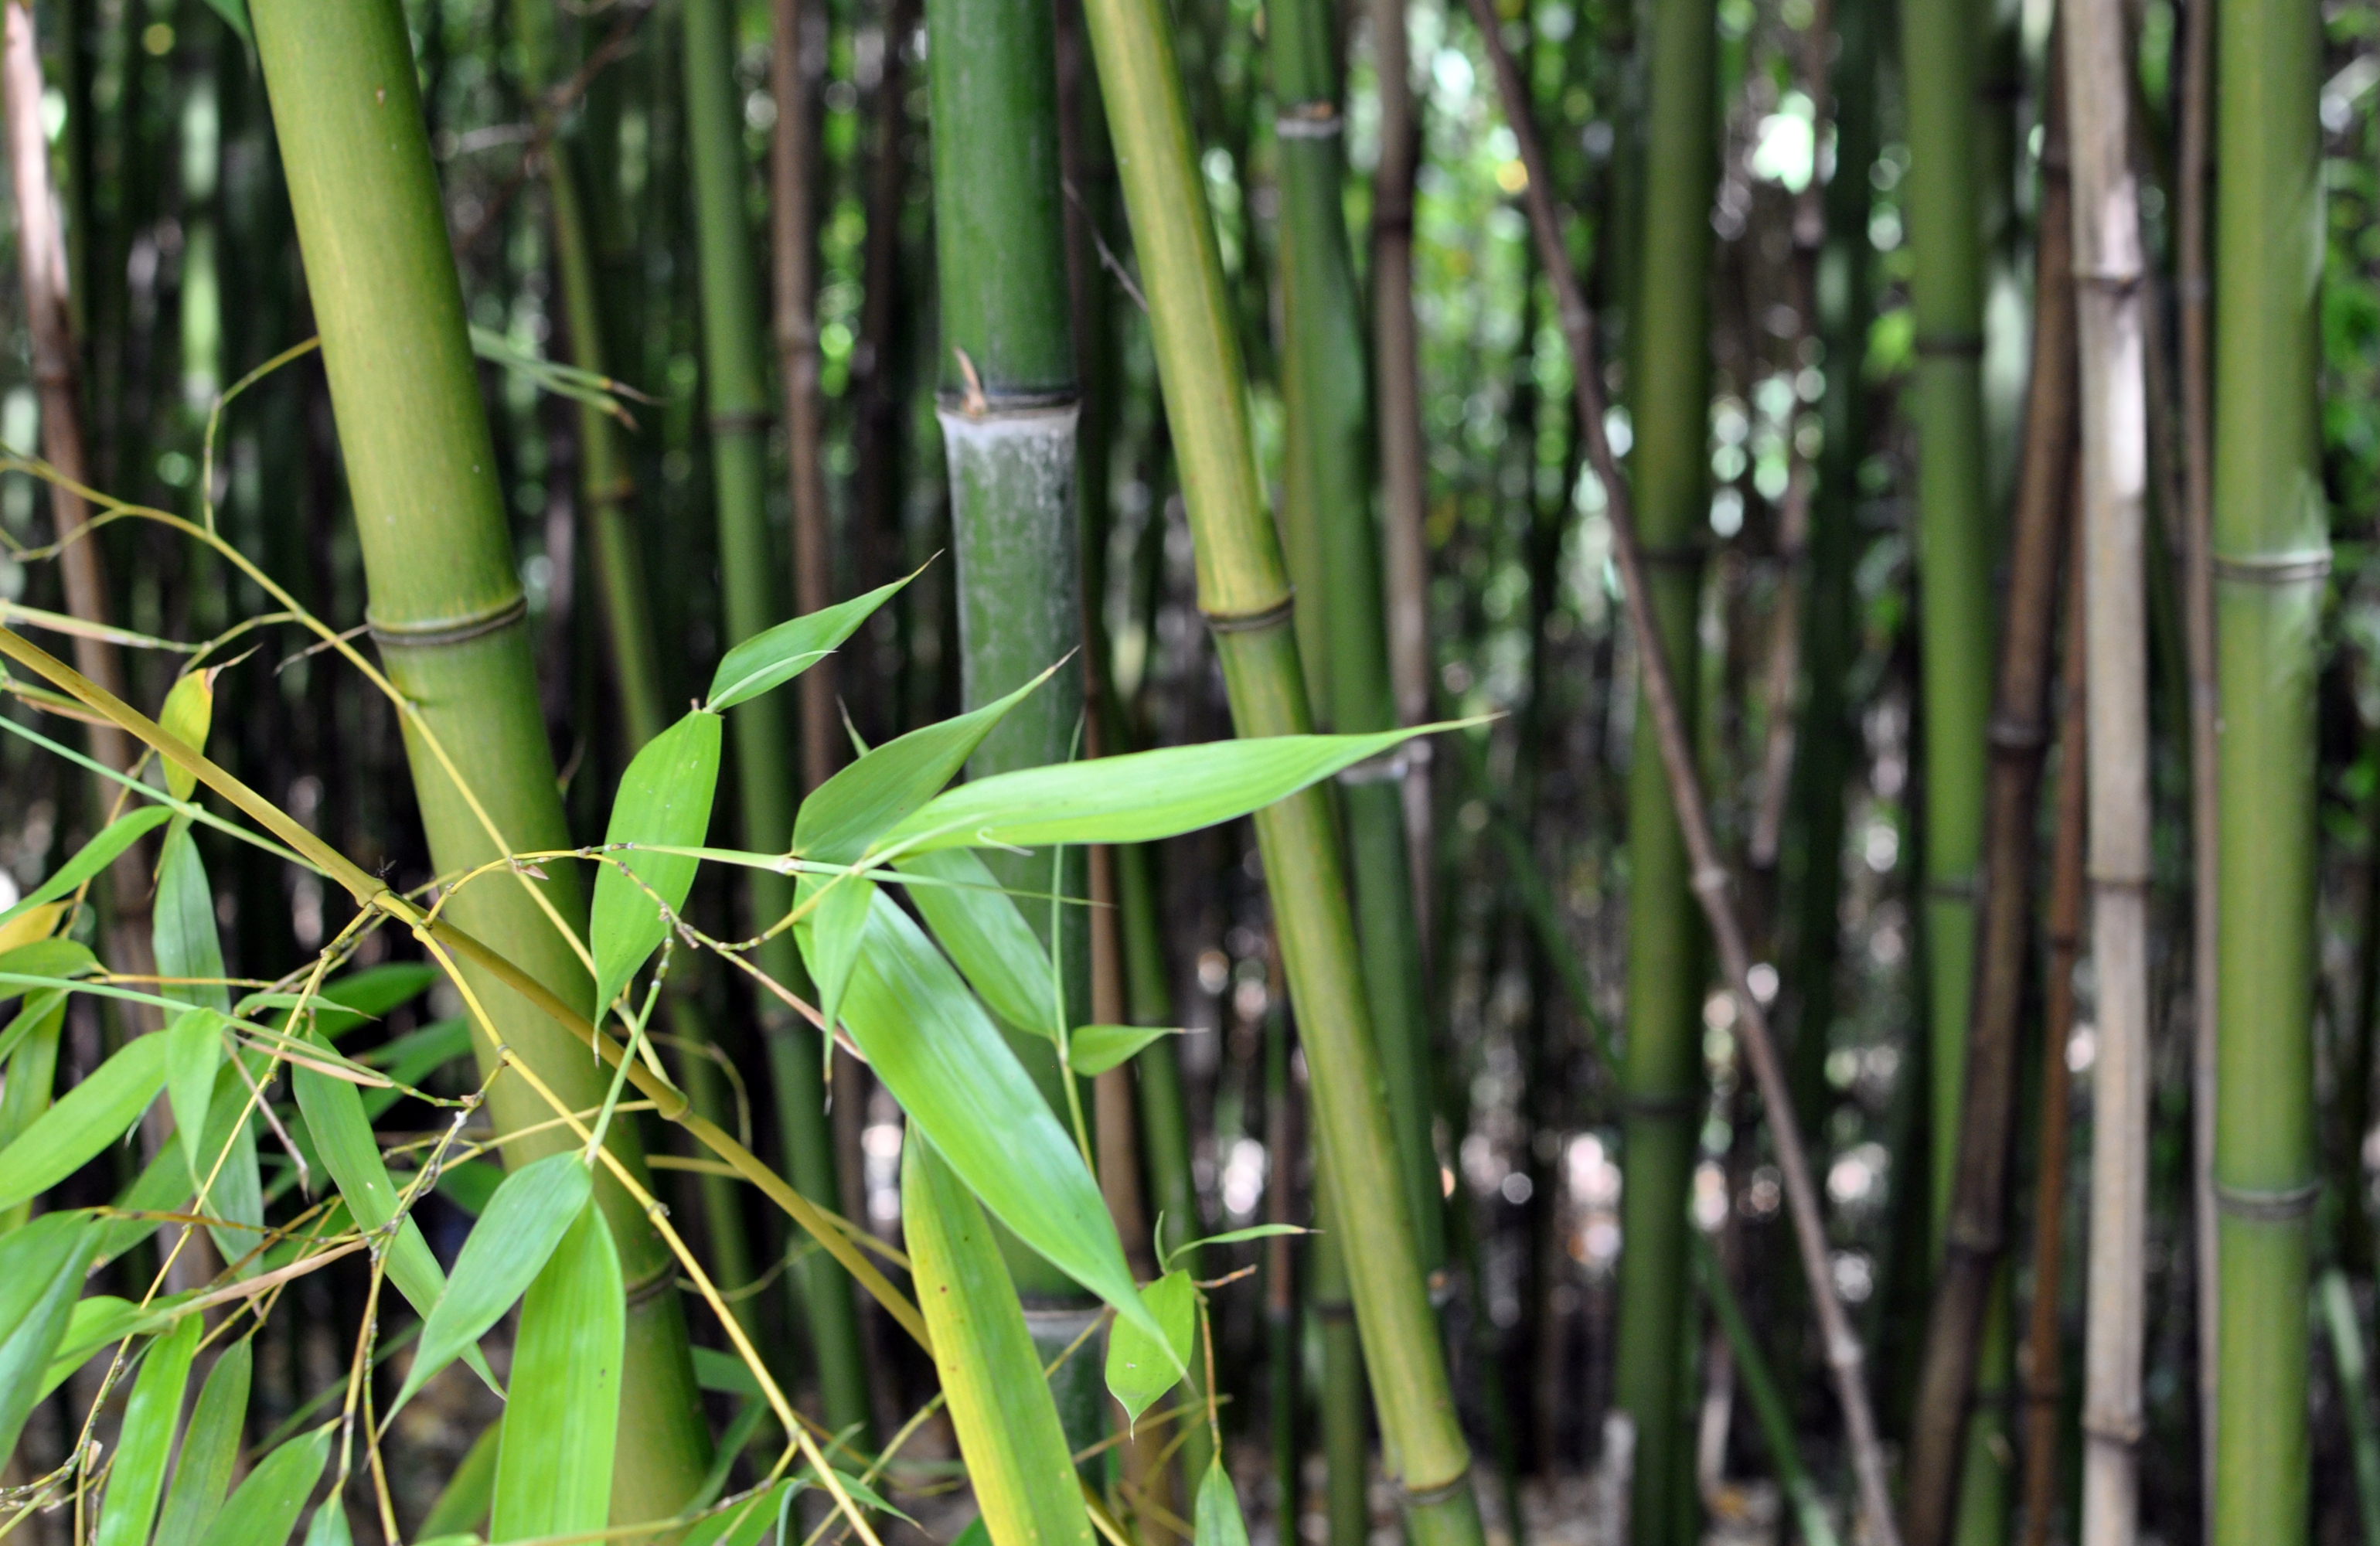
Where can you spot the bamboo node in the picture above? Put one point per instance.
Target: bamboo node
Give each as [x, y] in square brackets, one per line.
[1712, 880]
[1309, 120]
[2010, 734]
[1656, 1105]
[2271, 568]
[1386, 767]
[1430, 1497]
[738, 421]
[648, 1289]
[2277, 1206]
[1250, 622]
[1950, 345]
[449, 630]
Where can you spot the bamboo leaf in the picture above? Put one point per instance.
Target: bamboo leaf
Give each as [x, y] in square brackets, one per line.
[364, 996]
[193, 1056]
[847, 812]
[329, 1526]
[210, 1447]
[85, 1120]
[985, 933]
[51, 957]
[1007, 1421]
[1232, 1237]
[463, 1506]
[771, 659]
[831, 936]
[265, 1508]
[554, 1463]
[1136, 798]
[746, 1523]
[506, 1250]
[41, 1267]
[947, 1064]
[1140, 1369]
[664, 798]
[235, 14]
[1216, 1520]
[91, 858]
[189, 713]
[147, 1437]
[39, 1007]
[26, 924]
[184, 927]
[99, 1319]
[1093, 1050]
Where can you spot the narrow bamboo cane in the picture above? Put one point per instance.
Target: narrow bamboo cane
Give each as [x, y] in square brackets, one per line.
[735, 401]
[1243, 592]
[1711, 883]
[1326, 511]
[2198, 641]
[2268, 558]
[1971, 1276]
[2346, 1351]
[2108, 269]
[792, 176]
[876, 440]
[447, 614]
[2043, 1383]
[1405, 470]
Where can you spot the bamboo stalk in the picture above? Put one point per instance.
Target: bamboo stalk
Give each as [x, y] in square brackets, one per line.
[735, 402]
[1970, 1279]
[2346, 1351]
[1243, 592]
[793, 159]
[1711, 885]
[2043, 1386]
[2108, 268]
[446, 612]
[1770, 1409]
[2267, 556]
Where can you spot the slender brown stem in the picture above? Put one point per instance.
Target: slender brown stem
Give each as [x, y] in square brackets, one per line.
[1975, 1234]
[1712, 884]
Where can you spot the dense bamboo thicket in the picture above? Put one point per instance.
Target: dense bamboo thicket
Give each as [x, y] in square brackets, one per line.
[1022, 773]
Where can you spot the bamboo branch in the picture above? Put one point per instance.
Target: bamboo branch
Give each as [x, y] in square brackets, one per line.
[1845, 1359]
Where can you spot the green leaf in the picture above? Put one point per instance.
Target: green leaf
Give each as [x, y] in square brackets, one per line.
[41, 1267]
[92, 858]
[210, 1447]
[941, 1058]
[771, 659]
[1136, 798]
[183, 927]
[189, 713]
[470, 1186]
[985, 933]
[463, 1506]
[147, 1438]
[746, 1523]
[235, 14]
[554, 1464]
[236, 1193]
[1216, 1520]
[367, 995]
[101, 1319]
[85, 1120]
[665, 799]
[51, 957]
[194, 1050]
[831, 936]
[1001, 1405]
[1140, 1369]
[1233, 1236]
[265, 1508]
[525, 1222]
[1093, 1050]
[329, 1526]
[847, 812]
[39, 1007]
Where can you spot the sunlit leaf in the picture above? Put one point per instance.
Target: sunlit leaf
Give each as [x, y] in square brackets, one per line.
[50, 958]
[1007, 1422]
[329, 1526]
[554, 1464]
[1232, 1237]
[527, 1218]
[39, 1008]
[1136, 798]
[85, 1120]
[138, 1477]
[831, 936]
[772, 657]
[985, 933]
[91, 858]
[189, 713]
[846, 814]
[1093, 1050]
[28, 924]
[194, 1051]
[1218, 1521]
[265, 1507]
[209, 1448]
[1140, 1369]
[665, 799]
[42, 1266]
[183, 928]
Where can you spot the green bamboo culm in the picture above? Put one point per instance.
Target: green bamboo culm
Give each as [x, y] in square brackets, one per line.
[1661, 1071]
[606, 487]
[1009, 407]
[2271, 551]
[448, 615]
[1334, 559]
[1943, 49]
[1243, 591]
[735, 397]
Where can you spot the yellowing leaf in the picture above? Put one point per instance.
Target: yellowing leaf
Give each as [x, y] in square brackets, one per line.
[189, 713]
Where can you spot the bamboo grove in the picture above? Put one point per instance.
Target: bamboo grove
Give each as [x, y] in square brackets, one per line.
[1034, 772]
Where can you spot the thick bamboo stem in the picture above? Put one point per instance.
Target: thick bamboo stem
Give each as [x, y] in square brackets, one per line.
[1243, 591]
[2108, 270]
[2268, 558]
[1975, 1237]
[447, 614]
[2043, 1384]
[1845, 1360]
[736, 405]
